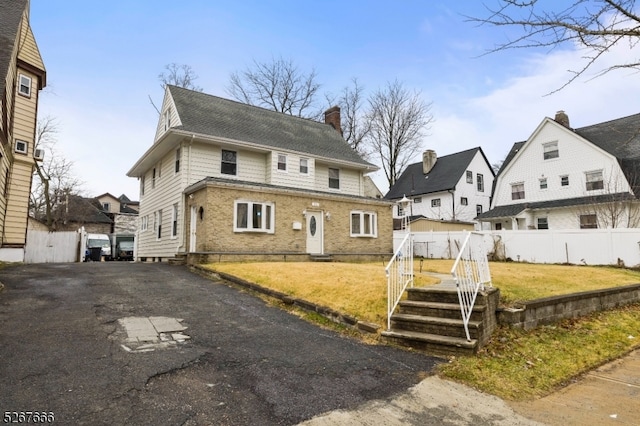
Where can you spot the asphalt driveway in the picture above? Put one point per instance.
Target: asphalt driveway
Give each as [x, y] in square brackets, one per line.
[64, 349]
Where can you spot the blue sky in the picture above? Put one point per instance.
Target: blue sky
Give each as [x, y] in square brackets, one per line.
[103, 61]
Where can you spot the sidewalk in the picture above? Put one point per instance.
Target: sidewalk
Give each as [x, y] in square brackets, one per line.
[607, 395]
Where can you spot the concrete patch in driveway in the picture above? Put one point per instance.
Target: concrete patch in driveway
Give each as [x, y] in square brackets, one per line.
[145, 334]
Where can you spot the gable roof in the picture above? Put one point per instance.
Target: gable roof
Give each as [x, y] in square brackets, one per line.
[11, 12]
[619, 137]
[218, 117]
[444, 175]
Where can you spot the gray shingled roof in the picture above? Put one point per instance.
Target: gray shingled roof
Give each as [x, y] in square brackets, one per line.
[10, 14]
[218, 117]
[511, 210]
[444, 175]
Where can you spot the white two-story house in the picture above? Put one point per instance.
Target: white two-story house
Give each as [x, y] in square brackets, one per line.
[226, 180]
[565, 178]
[454, 187]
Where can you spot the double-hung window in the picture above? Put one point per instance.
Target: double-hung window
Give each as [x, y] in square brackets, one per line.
[304, 166]
[282, 162]
[157, 222]
[469, 176]
[252, 216]
[24, 85]
[517, 191]
[174, 221]
[177, 165]
[334, 178]
[543, 223]
[435, 202]
[480, 182]
[550, 150]
[364, 224]
[229, 165]
[594, 180]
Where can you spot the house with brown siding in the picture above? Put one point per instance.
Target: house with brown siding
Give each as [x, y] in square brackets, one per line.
[226, 180]
[22, 76]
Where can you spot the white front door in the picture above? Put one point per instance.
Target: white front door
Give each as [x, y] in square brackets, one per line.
[192, 229]
[314, 232]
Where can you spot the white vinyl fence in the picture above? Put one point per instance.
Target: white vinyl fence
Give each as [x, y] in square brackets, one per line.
[51, 247]
[586, 247]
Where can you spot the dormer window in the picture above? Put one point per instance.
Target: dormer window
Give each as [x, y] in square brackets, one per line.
[24, 86]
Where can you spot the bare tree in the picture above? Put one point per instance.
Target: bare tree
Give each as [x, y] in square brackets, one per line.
[277, 85]
[181, 75]
[53, 177]
[355, 126]
[594, 25]
[399, 120]
[614, 206]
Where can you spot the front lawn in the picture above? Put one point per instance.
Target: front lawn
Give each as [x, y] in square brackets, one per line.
[515, 364]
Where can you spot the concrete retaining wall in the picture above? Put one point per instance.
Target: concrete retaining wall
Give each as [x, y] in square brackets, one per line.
[553, 309]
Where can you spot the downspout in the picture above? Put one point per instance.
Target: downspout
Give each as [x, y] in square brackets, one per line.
[453, 202]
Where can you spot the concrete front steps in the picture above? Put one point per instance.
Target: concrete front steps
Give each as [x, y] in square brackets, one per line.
[430, 320]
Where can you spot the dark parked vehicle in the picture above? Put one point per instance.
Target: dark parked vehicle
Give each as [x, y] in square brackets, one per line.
[124, 250]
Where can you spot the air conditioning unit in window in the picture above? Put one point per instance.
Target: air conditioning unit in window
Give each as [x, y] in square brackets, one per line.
[38, 154]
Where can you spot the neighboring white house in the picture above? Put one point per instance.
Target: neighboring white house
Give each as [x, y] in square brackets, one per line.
[224, 178]
[564, 178]
[455, 187]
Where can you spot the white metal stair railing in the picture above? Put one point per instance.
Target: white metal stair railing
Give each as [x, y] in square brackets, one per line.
[399, 272]
[471, 273]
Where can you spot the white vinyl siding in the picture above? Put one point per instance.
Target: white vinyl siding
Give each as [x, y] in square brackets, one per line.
[577, 158]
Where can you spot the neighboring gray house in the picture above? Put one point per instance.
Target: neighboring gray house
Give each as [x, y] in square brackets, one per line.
[226, 179]
[455, 187]
[565, 178]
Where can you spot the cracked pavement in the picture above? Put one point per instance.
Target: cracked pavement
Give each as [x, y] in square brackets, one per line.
[245, 362]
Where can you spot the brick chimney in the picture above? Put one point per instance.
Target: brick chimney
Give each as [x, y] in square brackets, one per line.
[332, 117]
[562, 118]
[429, 159]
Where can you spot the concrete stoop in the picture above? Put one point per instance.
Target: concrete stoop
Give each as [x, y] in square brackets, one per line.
[430, 320]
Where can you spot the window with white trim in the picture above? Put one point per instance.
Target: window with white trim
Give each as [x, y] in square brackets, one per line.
[594, 180]
[157, 224]
[167, 119]
[106, 207]
[153, 178]
[478, 208]
[21, 147]
[517, 191]
[229, 163]
[177, 165]
[282, 162]
[334, 178]
[144, 223]
[588, 221]
[142, 185]
[364, 224]
[543, 223]
[480, 182]
[174, 221]
[543, 183]
[24, 85]
[417, 200]
[304, 166]
[464, 201]
[249, 216]
[550, 150]
[435, 202]
[469, 176]
[564, 180]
